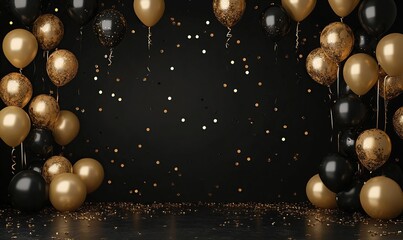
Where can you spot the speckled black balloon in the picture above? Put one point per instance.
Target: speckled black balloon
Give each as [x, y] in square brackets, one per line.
[110, 27]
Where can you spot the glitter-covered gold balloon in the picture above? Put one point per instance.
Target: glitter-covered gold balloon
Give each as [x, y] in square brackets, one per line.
[373, 148]
[398, 122]
[337, 40]
[390, 87]
[15, 90]
[43, 111]
[54, 166]
[67, 192]
[62, 67]
[48, 30]
[229, 12]
[321, 68]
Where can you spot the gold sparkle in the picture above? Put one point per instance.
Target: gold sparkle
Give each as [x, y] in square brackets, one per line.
[133, 31]
[260, 84]
[115, 150]
[165, 110]
[309, 90]
[122, 165]
[306, 133]
[155, 184]
[157, 162]
[256, 104]
[248, 159]
[237, 164]
[240, 190]
[112, 161]
[176, 169]
[225, 85]
[285, 126]
[100, 109]
[139, 146]
[109, 181]
[211, 34]
[238, 41]
[148, 129]
[238, 151]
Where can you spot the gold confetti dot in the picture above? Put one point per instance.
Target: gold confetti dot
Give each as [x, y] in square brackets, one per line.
[122, 165]
[176, 169]
[162, 51]
[267, 131]
[248, 159]
[56, 9]
[240, 190]
[148, 129]
[237, 164]
[115, 150]
[165, 110]
[225, 85]
[155, 184]
[285, 126]
[256, 104]
[136, 191]
[178, 45]
[112, 161]
[238, 41]
[260, 84]
[139, 146]
[133, 31]
[306, 133]
[309, 90]
[109, 181]
[244, 59]
[238, 151]
[157, 162]
[211, 34]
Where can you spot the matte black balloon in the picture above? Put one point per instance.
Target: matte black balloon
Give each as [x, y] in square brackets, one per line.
[81, 11]
[377, 16]
[276, 22]
[363, 42]
[347, 140]
[27, 191]
[336, 172]
[349, 200]
[25, 11]
[349, 111]
[39, 142]
[110, 27]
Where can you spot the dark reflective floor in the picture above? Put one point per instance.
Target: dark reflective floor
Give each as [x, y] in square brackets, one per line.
[195, 221]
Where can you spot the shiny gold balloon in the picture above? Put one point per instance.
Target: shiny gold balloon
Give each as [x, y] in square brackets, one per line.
[381, 198]
[298, 9]
[14, 125]
[15, 90]
[390, 87]
[398, 122]
[43, 111]
[373, 148]
[20, 47]
[319, 195]
[49, 31]
[360, 73]
[337, 40]
[66, 128]
[343, 7]
[91, 173]
[229, 12]
[149, 11]
[62, 67]
[67, 192]
[54, 166]
[389, 53]
[321, 68]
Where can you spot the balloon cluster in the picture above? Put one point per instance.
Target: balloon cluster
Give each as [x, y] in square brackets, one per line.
[339, 182]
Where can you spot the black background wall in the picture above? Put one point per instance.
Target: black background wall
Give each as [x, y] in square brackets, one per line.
[209, 123]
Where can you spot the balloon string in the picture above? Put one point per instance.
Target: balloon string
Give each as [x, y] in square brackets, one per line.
[341, 19]
[13, 161]
[229, 36]
[22, 156]
[81, 37]
[377, 105]
[338, 142]
[275, 51]
[149, 42]
[331, 114]
[338, 81]
[57, 94]
[297, 38]
[385, 103]
[110, 56]
[47, 55]
[20, 70]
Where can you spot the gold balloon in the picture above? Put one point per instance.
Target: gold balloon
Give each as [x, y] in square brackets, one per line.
[20, 47]
[66, 128]
[319, 195]
[91, 173]
[62, 67]
[229, 12]
[321, 68]
[389, 53]
[67, 192]
[343, 7]
[398, 122]
[337, 40]
[49, 31]
[298, 9]
[381, 198]
[54, 166]
[360, 73]
[43, 111]
[390, 87]
[14, 125]
[15, 90]
[149, 11]
[373, 148]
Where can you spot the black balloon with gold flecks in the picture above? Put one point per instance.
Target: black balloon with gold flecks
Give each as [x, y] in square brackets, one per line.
[110, 27]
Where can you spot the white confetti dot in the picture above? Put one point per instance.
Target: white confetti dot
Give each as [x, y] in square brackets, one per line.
[172, 68]
[204, 127]
[197, 36]
[283, 139]
[105, 56]
[189, 37]
[95, 78]
[56, 9]
[112, 95]
[100, 91]
[215, 120]
[204, 51]
[169, 98]
[232, 62]
[235, 90]
[11, 22]
[247, 72]
[183, 120]
[120, 99]
[207, 22]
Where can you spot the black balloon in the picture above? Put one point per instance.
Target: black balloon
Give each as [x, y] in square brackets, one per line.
[363, 42]
[391, 170]
[36, 166]
[376, 16]
[349, 200]
[110, 27]
[336, 172]
[347, 140]
[81, 11]
[349, 111]
[25, 10]
[39, 142]
[27, 191]
[276, 22]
